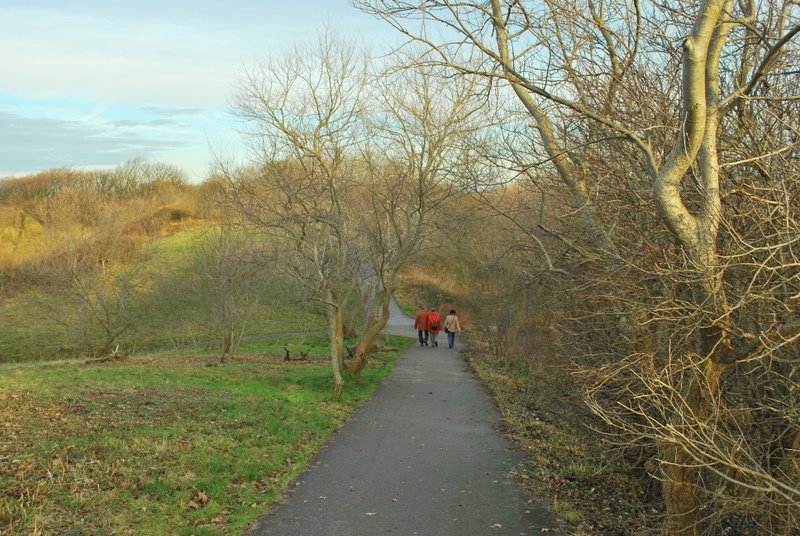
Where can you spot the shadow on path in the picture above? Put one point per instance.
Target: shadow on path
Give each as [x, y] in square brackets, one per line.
[422, 457]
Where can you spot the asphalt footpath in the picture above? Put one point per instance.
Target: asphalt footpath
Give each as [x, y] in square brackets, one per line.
[424, 456]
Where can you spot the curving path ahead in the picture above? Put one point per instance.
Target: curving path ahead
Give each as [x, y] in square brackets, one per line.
[422, 457]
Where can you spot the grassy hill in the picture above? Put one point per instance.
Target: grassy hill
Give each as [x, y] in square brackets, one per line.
[163, 438]
[90, 262]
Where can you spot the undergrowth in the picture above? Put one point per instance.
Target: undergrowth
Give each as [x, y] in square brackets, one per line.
[566, 462]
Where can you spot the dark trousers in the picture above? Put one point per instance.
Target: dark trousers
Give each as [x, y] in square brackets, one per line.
[423, 336]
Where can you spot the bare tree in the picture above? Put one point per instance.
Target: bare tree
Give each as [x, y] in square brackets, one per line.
[416, 152]
[92, 264]
[351, 169]
[304, 111]
[230, 273]
[679, 90]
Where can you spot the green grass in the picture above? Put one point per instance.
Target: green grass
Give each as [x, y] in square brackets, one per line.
[31, 328]
[166, 311]
[567, 512]
[170, 440]
[164, 444]
[406, 303]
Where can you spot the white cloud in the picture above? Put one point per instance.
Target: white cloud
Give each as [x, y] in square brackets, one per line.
[157, 62]
[31, 143]
[96, 82]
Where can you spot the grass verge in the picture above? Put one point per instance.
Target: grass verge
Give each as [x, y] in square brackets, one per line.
[565, 461]
[163, 444]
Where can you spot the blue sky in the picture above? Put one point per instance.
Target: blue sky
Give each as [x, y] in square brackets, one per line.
[99, 82]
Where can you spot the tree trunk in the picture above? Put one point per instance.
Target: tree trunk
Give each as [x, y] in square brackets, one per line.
[336, 339]
[685, 494]
[227, 343]
[361, 353]
[351, 317]
[683, 499]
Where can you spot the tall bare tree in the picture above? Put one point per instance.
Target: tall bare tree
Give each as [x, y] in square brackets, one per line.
[679, 90]
[352, 164]
[304, 112]
[419, 132]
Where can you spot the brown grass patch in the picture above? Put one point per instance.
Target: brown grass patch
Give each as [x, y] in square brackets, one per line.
[566, 461]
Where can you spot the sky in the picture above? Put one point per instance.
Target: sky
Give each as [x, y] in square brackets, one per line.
[95, 83]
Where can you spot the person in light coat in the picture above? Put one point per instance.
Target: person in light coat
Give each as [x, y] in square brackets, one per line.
[451, 327]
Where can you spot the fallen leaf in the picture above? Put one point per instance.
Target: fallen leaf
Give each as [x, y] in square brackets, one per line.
[199, 500]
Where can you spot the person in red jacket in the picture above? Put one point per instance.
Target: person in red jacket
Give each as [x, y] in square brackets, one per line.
[421, 325]
[434, 326]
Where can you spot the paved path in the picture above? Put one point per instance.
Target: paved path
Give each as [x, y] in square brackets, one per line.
[422, 457]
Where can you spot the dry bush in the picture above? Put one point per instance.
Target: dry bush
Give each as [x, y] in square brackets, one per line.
[163, 220]
[44, 184]
[684, 323]
[61, 221]
[642, 333]
[136, 177]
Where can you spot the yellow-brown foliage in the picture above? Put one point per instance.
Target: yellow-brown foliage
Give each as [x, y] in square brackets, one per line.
[19, 234]
[43, 184]
[61, 218]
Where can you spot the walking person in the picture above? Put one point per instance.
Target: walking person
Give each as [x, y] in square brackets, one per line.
[451, 327]
[421, 325]
[434, 326]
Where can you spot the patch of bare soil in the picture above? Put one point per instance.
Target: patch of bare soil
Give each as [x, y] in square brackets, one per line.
[29, 419]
